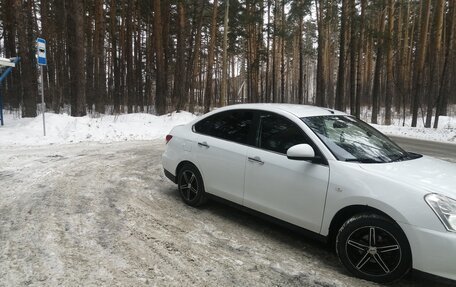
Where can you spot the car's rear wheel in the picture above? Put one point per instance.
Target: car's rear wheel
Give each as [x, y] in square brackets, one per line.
[374, 248]
[191, 186]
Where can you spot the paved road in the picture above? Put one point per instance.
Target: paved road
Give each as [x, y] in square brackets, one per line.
[445, 151]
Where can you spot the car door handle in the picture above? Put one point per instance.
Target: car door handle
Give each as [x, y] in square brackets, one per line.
[256, 159]
[204, 144]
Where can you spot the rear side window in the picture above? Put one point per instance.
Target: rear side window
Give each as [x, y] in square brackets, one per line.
[231, 125]
[278, 134]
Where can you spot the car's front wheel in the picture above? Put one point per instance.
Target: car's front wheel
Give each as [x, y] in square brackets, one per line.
[191, 186]
[374, 248]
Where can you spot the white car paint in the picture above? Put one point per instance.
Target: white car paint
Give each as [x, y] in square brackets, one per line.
[310, 195]
[226, 178]
[293, 191]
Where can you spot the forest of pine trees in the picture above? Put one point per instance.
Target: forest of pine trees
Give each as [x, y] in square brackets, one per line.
[157, 56]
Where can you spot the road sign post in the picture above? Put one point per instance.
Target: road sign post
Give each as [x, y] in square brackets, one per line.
[41, 53]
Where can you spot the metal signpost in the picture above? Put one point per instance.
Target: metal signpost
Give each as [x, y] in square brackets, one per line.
[41, 52]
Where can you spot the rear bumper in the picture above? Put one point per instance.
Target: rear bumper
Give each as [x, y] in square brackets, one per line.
[170, 176]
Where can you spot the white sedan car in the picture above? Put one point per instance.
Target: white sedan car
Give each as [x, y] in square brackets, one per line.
[322, 171]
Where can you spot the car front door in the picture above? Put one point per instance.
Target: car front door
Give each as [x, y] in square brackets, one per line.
[221, 152]
[291, 190]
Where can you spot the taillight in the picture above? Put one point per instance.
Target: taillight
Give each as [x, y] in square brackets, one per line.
[168, 138]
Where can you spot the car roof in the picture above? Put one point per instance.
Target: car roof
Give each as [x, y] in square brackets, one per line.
[299, 111]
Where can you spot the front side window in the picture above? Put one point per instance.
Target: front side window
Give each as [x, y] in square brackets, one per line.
[278, 134]
[350, 139]
[230, 125]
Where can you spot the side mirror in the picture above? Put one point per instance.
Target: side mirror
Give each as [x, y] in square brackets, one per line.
[301, 152]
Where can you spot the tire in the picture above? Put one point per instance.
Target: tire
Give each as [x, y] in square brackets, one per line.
[191, 186]
[374, 248]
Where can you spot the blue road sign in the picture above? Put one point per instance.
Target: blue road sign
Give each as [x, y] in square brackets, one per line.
[41, 51]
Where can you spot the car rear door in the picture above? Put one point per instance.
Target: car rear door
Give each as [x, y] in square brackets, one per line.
[221, 152]
[291, 190]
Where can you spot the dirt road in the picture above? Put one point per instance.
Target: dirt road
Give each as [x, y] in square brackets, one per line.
[104, 215]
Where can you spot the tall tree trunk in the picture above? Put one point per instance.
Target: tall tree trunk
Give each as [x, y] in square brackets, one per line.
[224, 86]
[282, 52]
[353, 47]
[26, 48]
[139, 87]
[276, 44]
[252, 54]
[340, 90]
[196, 57]
[209, 93]
[409, 38]
[123, 54]
[361, 62]
[180, 72]
[445, 87]
[60, 57]
[301, 62]
[89, 59]
[320, 97]
[100, 68]
[149, 66]
[13, 83]
[161, 90]
[115, 56]
[420, 59]
[376, 89]
[389, 64]
[267, 95]
[436, 60]
[130, 100]
[75, 20]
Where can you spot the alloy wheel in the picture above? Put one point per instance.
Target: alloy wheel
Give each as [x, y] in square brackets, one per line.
[373, 251]
[188, 185]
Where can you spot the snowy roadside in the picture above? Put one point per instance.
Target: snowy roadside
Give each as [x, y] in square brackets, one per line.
[64, 129]
[446, 132]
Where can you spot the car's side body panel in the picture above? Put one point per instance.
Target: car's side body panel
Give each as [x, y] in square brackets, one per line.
[352, 185]
[179, 149]
[293, 191]
[222, 165]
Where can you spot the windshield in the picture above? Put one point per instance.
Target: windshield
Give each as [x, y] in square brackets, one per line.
[350, 139]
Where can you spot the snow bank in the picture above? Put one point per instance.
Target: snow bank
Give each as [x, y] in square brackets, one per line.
[64, 129]
[446, 131]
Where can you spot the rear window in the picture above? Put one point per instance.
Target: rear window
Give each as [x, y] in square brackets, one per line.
[230, 125]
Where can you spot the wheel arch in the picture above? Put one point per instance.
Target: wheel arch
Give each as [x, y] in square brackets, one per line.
[182, 163]
[346, 213]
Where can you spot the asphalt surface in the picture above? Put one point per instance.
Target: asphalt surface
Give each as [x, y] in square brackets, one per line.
[445, 151]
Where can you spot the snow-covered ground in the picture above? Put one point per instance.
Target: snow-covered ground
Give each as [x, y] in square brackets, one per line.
[103, 214]
[446, 132]
[64, 129]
